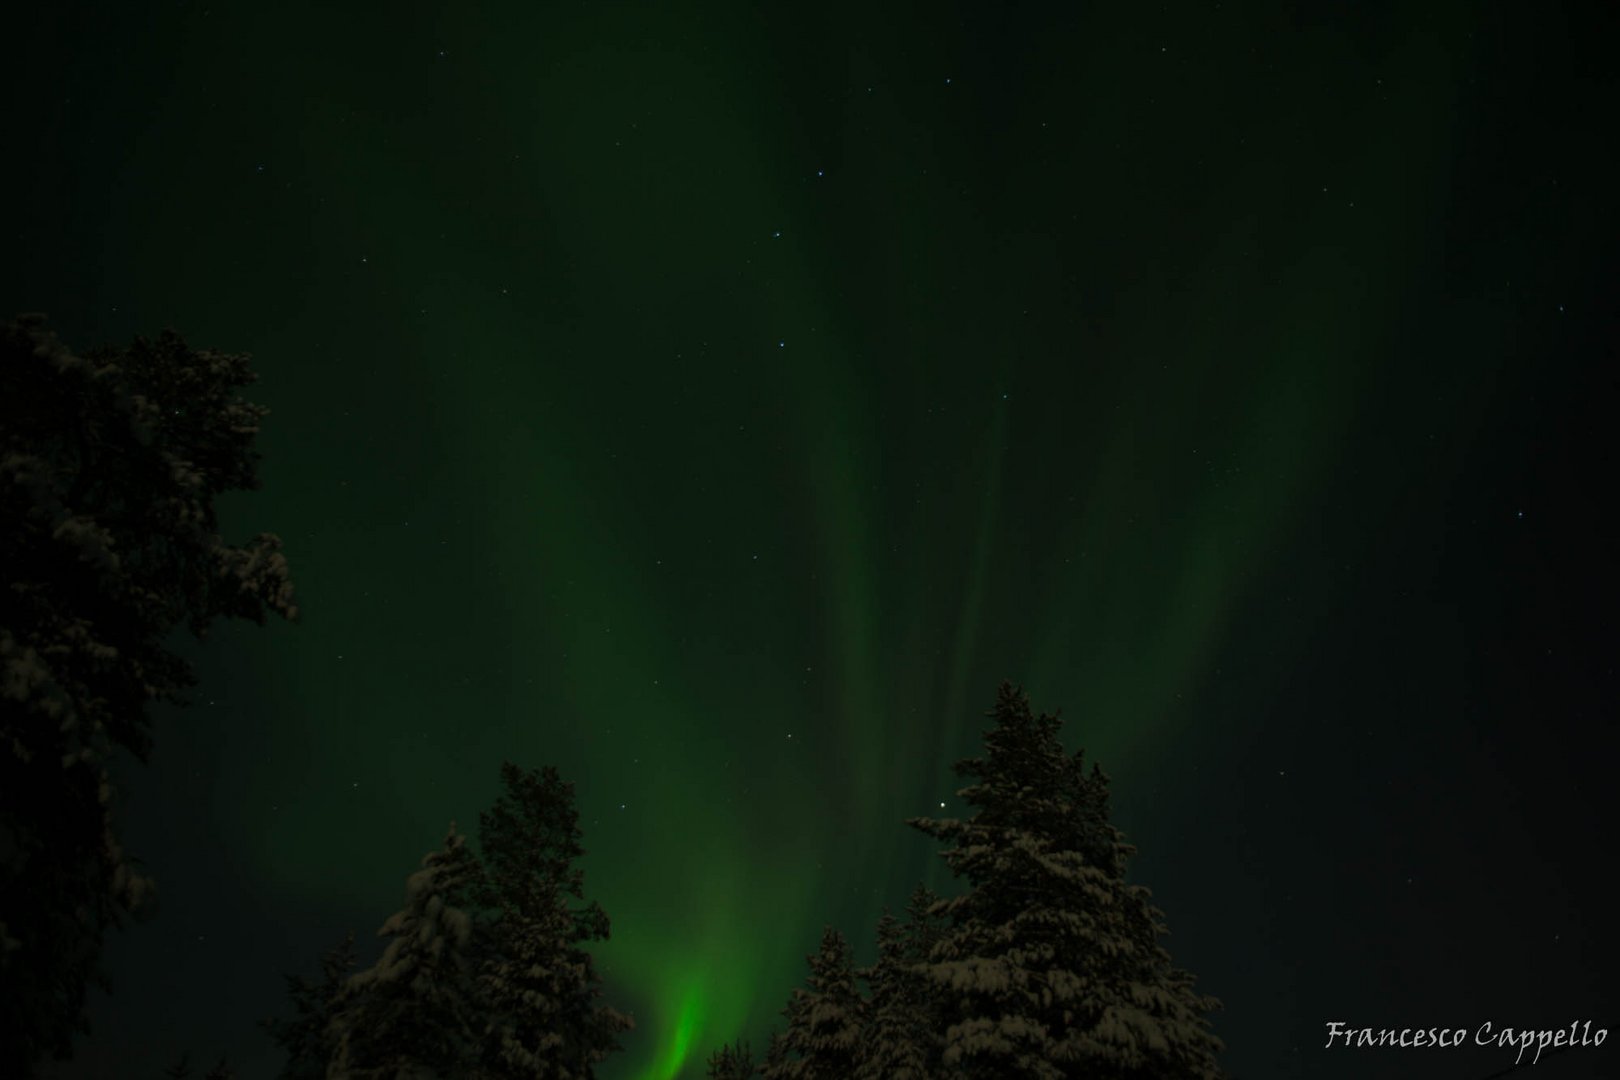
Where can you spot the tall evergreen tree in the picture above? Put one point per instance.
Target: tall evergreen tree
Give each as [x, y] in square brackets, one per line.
[308, 1038]
[824, 1019]
[776, 1055]
[110, 464]
[1050, 965]
[901, 1040]
[414, 1015]
[733, 1062]
[545, 1016]
[924, 924]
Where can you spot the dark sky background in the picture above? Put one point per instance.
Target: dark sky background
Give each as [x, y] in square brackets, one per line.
[718, 402]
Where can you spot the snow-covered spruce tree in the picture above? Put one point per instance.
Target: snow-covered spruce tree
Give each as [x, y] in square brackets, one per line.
[901, 1039]
[544, 1016]
[1050, 965]
[415, 1014]
[110, 465]
[824, 1019]
[734, 1062]
[307, 1037]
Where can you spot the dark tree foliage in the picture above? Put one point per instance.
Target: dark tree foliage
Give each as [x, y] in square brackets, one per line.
[924, 924]
[307, 1037]
[416, 1011]
[734, 1062]
[901, 1040]
[776, 1054]
[110, 463]
[537, 981]
[824, 1019]
[1050, 964]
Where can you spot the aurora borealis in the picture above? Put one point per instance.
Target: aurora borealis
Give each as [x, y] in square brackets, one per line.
[718, 404]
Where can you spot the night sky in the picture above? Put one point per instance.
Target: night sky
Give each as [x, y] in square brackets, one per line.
[718, 404]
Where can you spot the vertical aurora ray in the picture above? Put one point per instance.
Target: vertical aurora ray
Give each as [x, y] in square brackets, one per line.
[673, 1055]
[955, 705]
[843, 517]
